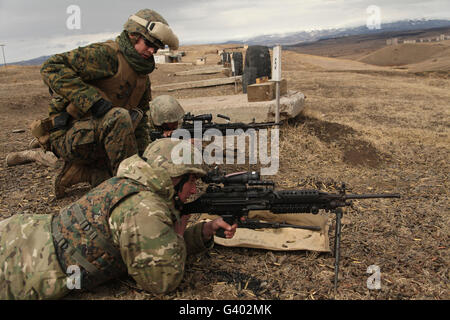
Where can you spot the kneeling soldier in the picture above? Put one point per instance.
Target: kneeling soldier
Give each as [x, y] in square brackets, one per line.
[101, 94]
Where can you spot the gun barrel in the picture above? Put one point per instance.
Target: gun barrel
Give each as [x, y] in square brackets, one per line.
[223, 117]
[263, 124]
[371, 196]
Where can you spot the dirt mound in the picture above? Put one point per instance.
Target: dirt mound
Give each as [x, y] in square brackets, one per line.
[356, 152]
[408, 53]
[438, 65]
[333, 64]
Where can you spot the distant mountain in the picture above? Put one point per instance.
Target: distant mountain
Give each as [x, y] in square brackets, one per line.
[314, 35]
[32, 62]
[294, 38]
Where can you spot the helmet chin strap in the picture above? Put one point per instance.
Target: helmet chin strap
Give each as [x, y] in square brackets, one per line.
[178, 188]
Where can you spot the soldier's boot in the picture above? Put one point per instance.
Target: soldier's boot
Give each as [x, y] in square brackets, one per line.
[34, 144]
[21, 157]
[73, 173]
[98, 176]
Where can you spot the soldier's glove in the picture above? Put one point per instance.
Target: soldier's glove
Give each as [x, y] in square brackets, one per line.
[101, 107]
[61, 121]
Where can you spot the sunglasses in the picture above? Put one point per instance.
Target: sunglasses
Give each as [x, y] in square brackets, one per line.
[150, 44]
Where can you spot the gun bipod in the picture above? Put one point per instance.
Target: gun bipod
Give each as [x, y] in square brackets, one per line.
[337, 242]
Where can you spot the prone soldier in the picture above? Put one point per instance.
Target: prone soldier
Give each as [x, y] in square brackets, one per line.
[166, 115]
[128, 224]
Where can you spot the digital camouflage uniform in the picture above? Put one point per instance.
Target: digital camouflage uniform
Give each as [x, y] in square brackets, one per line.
[133, 213]
[98, 115]
[74, 78]
[164, 109]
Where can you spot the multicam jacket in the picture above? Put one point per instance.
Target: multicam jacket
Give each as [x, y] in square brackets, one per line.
[139, 227]
[72, 76]
[142, 225]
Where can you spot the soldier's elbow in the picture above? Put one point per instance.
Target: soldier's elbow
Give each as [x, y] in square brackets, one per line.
[163, 284]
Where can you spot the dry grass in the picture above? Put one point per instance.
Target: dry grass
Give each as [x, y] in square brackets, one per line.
[375, 131]
[407, 53]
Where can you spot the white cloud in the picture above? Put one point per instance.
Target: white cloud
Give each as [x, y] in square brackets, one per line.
[30, 27]
[29, 49]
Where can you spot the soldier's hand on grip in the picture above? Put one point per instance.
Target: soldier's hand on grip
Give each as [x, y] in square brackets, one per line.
[210, 228]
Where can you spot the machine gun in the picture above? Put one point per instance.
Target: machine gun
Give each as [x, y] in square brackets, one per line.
[201, 123]
[233, 196]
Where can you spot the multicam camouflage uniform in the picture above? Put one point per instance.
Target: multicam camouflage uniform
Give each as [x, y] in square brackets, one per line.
[123, 225]
[28, 265]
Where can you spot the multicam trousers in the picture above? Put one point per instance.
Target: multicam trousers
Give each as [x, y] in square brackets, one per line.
[29, 268]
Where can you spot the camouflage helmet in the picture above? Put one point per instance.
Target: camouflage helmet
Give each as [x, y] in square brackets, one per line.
[174, 156]
[153, 27]
[165, 109]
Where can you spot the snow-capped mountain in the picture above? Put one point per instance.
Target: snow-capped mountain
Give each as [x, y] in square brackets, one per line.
[314, 35]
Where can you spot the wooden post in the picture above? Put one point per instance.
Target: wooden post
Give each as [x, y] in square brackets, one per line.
[233, 70]
[276, 76]
[3, 51]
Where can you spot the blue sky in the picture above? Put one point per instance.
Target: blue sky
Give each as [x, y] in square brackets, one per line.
[34, 28]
